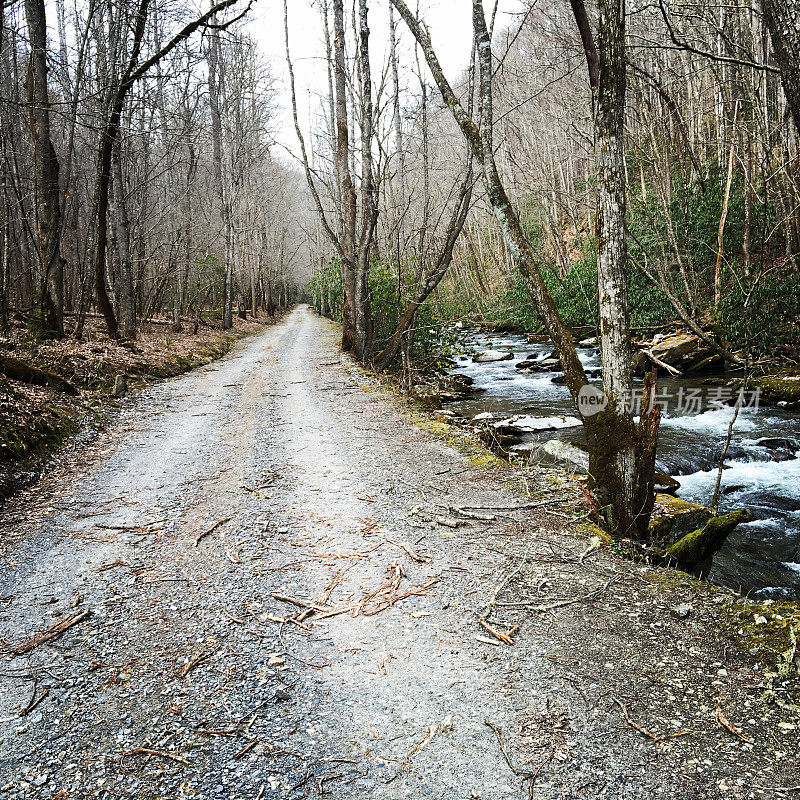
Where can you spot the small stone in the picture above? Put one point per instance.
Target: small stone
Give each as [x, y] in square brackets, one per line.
[682, 611]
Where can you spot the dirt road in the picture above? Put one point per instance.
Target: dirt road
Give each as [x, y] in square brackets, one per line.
[193, 678]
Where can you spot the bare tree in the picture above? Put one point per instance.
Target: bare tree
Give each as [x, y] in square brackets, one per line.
[619, 452]
[47, 191]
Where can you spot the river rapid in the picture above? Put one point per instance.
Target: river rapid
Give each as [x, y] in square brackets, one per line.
[762, 469]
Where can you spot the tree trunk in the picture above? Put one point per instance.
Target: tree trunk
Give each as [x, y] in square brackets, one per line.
[345, 182]
[619, 452]
[369, 202]
[621, 457]
[214, 81]
[782, 18]
[125, 295]
[47, 193]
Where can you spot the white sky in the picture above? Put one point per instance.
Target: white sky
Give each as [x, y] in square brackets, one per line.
[450, 23]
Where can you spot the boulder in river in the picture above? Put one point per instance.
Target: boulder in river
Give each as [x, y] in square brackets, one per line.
[454, 387]
[665, 484]
[543, 365]
[684, 351]
[781, 449]
[489, 356]
[529, 424]
[782, 389]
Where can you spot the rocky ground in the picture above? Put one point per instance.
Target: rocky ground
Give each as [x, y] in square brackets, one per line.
[281, 588]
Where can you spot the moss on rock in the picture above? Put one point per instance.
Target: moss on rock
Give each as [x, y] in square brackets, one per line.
[701, 544]
[782, 387]
[674, 518]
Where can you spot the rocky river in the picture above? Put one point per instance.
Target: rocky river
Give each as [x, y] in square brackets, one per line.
[762, 468]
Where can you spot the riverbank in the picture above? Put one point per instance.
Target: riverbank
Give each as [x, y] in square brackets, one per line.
[70, 387]
[315, 594]
[513, 397]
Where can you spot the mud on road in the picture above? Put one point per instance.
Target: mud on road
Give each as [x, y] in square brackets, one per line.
[278, 611]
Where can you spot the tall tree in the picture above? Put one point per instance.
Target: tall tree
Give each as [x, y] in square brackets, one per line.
[223, 192]
[109, 132]
[622, 456]
[47, 192]
[619, 452]
[782, 18]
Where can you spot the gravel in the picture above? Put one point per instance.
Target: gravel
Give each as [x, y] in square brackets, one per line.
[329, 490]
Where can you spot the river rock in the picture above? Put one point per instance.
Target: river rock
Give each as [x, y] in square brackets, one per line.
[665, 484]
[565, 454]
[121, 385]
[454, 387]
[781, 389]
[780, 449]
[673, 518]
[488, 356]
[530, 424]
[685, 351]
[696, 548]
[544, 365]
[592, 342]
[426, 395]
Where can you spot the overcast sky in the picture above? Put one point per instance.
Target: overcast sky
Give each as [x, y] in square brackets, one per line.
[450, 23]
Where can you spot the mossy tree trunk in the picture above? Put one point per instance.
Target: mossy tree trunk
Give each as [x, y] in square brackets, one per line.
[622, 454]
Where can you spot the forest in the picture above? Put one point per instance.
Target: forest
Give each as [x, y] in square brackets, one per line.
[319, 311]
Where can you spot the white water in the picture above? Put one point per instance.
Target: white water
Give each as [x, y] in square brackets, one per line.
[762, 556]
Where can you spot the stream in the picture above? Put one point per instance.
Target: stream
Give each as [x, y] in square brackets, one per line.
[762, 473]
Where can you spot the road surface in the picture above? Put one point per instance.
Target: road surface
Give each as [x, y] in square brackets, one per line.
[275, 612]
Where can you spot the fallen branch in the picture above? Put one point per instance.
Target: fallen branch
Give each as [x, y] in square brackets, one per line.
[724, 722]
[503, 637]
[195, 661]
[635, 725]
[199, 538]
[302, 603]
[451, 522]
[395, 598]
[246, 749]
[19, 370]
[658, 362]
[34, 701]
[52, 633]
[333, 613]
[559, 603]
[530, 776]
[146, 751]
[410, 552]
[471, 514]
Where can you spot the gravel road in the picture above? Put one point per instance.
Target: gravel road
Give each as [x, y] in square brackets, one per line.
[324, 639]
